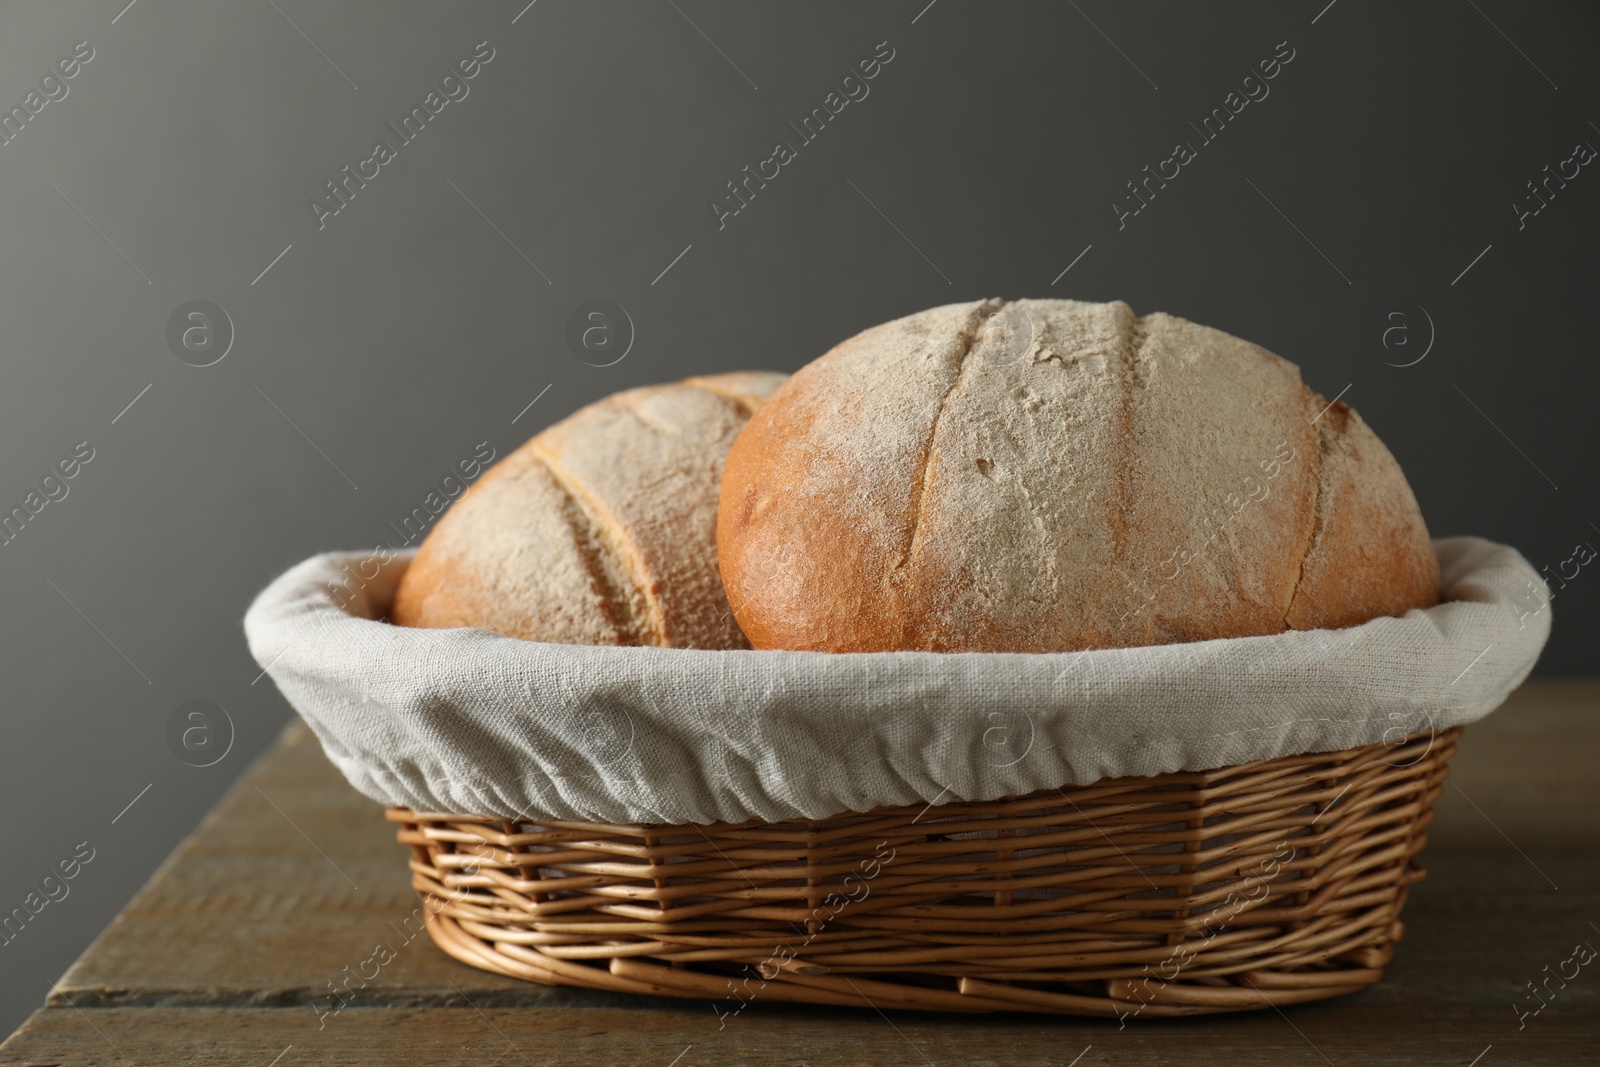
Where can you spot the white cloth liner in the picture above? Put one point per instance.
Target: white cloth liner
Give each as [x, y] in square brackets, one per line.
[474, 722]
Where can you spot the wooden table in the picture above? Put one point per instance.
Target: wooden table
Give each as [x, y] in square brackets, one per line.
[295, 877]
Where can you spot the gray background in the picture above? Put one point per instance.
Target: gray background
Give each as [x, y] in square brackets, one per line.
[1386, 159]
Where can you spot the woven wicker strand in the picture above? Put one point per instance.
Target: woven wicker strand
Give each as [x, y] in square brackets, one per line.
[1262, 884]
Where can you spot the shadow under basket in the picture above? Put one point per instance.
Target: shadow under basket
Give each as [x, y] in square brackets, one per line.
[1267, 883]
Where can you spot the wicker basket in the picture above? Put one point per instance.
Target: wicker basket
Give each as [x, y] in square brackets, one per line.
[1262, 884]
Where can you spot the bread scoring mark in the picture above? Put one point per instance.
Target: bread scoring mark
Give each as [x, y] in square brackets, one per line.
[1325, 434]
[598, 534]
[690, 613]
[720, 611]
[633, 403]
[985, 310]
[1231, 572]
[1135, 334]
[608, 594]
[746, 403]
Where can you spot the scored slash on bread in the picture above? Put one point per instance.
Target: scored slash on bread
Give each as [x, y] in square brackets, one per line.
[599, 530]
[1369, 553]
[1027, 477]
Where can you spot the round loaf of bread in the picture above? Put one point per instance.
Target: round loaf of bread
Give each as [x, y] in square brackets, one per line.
[1051, 475]
[601, 530]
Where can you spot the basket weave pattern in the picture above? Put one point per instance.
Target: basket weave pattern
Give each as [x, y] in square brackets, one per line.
[1266, 883]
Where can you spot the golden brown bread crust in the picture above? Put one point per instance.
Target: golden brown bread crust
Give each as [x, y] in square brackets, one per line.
[1370, 555]
[599, 530]
[1054, 475]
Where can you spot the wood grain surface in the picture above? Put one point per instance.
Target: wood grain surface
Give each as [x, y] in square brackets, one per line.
[228, 955]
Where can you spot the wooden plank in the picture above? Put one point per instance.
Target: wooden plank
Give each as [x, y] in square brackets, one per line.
[229, 951]
[291, 879]
[1527, 770]
[1349, 1033]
